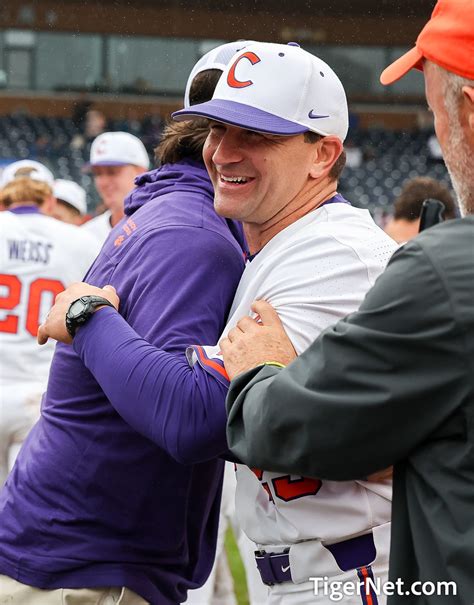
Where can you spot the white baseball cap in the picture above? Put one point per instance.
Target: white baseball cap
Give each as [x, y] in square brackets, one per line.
[118, 149]
[71, 193]
[217, 58]
[279, 89]
[29, 169]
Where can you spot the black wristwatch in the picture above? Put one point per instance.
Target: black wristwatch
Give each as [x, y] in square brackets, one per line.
[81, 309]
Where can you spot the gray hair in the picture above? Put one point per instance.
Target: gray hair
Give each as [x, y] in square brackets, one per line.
[457, 150]
[453, 85]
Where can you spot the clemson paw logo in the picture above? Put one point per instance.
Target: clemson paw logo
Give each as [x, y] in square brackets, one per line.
[119, 240]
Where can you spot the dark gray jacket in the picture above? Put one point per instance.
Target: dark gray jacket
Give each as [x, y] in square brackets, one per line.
[390, 384]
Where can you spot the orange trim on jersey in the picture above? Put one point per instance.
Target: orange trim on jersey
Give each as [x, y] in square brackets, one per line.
[212, 364]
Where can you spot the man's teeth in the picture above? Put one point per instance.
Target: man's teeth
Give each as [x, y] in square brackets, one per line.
[234, 179]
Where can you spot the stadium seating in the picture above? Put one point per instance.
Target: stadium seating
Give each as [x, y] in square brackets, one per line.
[390, 157]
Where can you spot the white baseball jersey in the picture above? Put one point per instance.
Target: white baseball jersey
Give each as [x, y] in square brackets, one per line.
[314, 272]
[100, 226]
[39, 257]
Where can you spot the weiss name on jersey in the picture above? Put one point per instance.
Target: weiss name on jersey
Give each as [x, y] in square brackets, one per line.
[29, 251]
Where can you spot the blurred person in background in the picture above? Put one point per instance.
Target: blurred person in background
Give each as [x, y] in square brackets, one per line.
[405, 222]
[81, 107]
[116, 159]
[71, 205]
[435, 153]
[39, 257]
[354, 154]
[94, 123]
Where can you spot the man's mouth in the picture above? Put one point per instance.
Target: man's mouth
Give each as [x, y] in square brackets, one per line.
[237, 180]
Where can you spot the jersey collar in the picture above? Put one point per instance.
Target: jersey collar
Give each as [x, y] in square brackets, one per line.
[25, 210]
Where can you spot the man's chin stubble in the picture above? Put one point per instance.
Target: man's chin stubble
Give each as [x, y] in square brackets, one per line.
[458, 160]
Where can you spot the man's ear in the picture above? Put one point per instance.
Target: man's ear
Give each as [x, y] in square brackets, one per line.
[468, 97]
[48, 206]
[327, 151]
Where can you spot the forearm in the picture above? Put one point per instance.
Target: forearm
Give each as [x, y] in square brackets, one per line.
[364, 394]
[157, 393]
[279, 423]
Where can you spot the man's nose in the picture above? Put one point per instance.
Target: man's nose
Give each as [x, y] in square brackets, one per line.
[102, 178]
[228, 149]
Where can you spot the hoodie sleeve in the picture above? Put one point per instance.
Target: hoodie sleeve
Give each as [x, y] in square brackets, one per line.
[181, 409]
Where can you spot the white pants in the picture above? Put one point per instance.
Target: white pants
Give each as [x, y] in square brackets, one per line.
[19, 410]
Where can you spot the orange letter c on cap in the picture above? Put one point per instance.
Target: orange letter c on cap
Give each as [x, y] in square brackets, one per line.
[232, 80]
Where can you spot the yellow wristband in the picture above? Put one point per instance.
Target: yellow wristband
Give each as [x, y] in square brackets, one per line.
[274, 363]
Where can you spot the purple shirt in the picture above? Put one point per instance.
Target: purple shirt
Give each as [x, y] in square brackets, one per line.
[90, 502]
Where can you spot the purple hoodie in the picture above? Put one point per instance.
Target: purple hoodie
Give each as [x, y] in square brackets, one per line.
[90, 502]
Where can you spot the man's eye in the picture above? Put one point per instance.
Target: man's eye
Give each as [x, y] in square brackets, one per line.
[254, 135]
[263, 138]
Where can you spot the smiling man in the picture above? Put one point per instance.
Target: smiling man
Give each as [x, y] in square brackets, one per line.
[250, 169]
[392, 383]
[274, 154]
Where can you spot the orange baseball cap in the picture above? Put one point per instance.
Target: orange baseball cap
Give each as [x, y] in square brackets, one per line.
[447, 40]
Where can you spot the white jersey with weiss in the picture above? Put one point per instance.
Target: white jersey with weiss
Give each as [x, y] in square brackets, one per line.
[39, 257]
[100, 226]
[314, 272]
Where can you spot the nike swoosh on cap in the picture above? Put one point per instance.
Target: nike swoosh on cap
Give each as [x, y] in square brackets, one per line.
[314, 116]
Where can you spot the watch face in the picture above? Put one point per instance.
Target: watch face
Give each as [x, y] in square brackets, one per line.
[76, 309]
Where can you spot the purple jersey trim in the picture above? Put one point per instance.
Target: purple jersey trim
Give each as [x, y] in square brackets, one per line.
[25, 210]
[337, 199]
